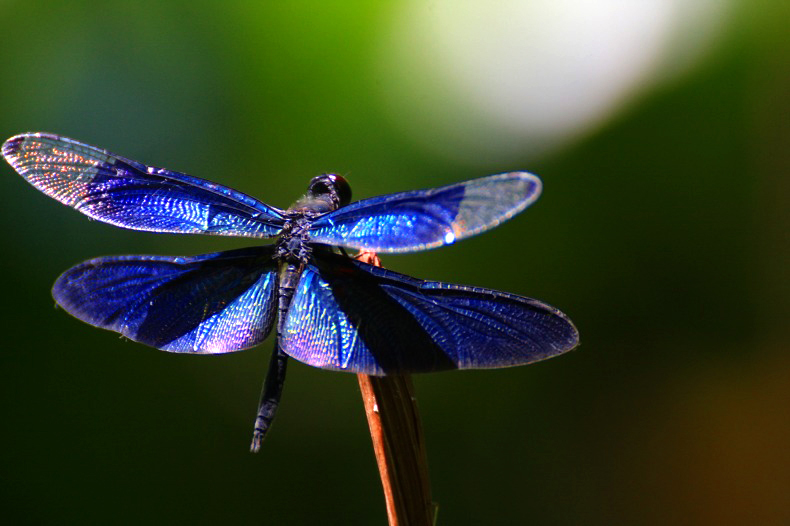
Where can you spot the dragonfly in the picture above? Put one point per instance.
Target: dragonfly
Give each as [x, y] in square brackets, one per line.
[327, 309]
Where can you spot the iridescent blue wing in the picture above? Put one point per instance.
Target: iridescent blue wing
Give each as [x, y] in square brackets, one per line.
[129, 194]
[349, 316]
[208, 304]
[423, 219]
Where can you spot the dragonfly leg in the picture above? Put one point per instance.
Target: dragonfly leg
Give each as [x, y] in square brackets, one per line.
[270, 396]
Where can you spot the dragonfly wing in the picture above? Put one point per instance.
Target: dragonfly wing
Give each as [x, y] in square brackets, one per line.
[423, 219]
[350, 316]
[129, 194]
[208, 304]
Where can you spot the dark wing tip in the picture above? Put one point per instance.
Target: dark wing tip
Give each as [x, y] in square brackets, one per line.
[570, 336]
[573, 340]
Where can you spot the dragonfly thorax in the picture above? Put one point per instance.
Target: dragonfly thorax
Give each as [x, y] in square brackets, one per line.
[293, 246]
[326, 193]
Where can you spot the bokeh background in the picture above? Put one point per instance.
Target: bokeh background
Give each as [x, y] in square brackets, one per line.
[660, 129]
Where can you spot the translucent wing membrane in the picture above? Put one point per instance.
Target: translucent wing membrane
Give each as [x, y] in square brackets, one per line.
[350, 316]
[207, 304]
[129, 194]
[423, 219]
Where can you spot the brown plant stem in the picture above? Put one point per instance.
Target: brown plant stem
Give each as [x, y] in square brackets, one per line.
[396, 432]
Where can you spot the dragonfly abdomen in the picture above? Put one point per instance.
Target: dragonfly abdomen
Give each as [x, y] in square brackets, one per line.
[289, 280]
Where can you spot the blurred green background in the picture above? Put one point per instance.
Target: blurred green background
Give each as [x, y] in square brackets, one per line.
[660, 129]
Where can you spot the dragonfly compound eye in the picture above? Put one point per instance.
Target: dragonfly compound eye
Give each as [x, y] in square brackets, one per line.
[333, 184]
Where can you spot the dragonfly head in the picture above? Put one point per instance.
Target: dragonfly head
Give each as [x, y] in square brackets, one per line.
[333, 186]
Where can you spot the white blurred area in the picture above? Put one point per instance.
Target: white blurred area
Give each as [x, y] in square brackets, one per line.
[491, 81]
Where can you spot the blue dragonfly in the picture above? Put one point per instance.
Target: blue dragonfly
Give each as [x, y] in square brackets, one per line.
[331, 311]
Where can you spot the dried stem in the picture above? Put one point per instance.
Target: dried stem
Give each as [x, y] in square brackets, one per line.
[396, 432]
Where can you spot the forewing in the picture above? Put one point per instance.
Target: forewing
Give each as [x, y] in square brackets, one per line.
[208, 304]
[423, 219]
[350, 316]
[129, 194]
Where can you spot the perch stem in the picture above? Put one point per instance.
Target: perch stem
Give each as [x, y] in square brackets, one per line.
[396, 432]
